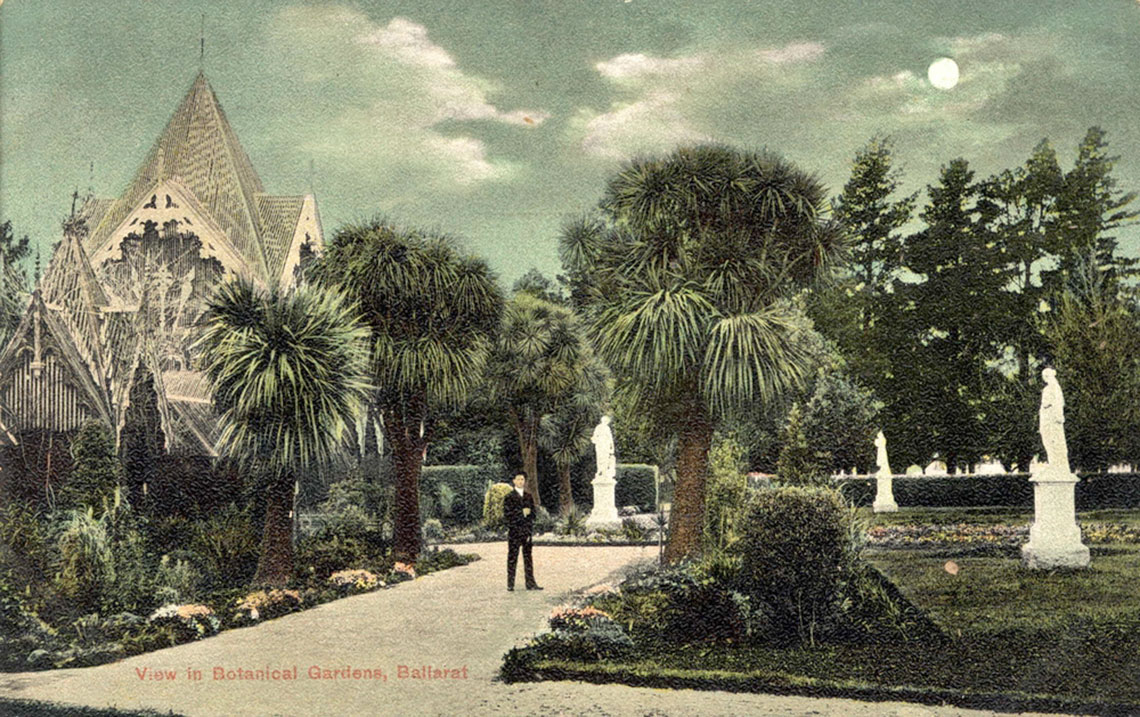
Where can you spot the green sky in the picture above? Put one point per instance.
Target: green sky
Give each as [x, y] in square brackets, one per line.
[495, 121]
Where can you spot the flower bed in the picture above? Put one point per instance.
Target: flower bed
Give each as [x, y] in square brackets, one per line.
[968, 534]
[98, 640]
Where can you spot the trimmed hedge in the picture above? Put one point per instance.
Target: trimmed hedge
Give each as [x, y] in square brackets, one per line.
[468, 483]
[1094, 491]
[636, 486]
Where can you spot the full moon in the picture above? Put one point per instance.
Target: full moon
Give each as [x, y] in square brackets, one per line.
[943, 73]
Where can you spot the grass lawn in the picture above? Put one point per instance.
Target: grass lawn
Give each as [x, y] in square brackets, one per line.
[987, 516]
[1063, 640]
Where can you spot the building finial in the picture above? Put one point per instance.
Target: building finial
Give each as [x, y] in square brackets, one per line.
[202, 46]
[311, 171]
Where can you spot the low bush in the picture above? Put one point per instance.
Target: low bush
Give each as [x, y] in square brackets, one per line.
[458, 492]
[320, 556]
[176, 581]
[435, 560]
[352, 582]
[86, 565]
[574, 523]
[432, 530]
[266, 605]
[578, 634]
[794, 546]
[227, 546]
[544, 522]
[493, 518]
[636, 485]
[186, 622]
[689, 604]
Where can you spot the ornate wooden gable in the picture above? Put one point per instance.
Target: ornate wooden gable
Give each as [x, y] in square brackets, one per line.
[115, 312]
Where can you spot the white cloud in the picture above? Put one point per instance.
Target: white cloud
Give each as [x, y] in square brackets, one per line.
[793, 53]
[639, 65]
[653, 123]
[408, 42]
[667, 100]
[397, 88]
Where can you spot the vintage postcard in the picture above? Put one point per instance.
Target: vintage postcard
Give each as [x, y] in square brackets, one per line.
[603, 357]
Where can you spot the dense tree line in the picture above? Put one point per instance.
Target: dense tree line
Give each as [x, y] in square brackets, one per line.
[950, 322]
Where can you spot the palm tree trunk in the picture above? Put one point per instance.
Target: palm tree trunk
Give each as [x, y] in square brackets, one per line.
[688, 512]
[526, 426]
[275, 564]
[408, 462]
[565, 493]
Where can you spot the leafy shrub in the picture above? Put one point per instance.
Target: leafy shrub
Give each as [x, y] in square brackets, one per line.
[433, 530]
[351, 582]
[320, 557]
[632, 531]
[799, 462]
[96, 471]
[447, 498]
[266, 605]
[459, 491]
[636, 485]
[793, 548]
[573, 524]
[176, 581]
[578, 634]
[27, 551]
[227, 546]
[167, 534]
[436, 559]
[687, 604]
[493, 517]
[21, 632]
[188, 622]
[86, 565]
[543, 521]
[351, 508]
[725, 493]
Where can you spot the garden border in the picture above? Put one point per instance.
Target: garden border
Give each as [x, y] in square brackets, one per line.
[785, 684]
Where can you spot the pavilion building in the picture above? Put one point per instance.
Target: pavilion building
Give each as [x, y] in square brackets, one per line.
[109, 332]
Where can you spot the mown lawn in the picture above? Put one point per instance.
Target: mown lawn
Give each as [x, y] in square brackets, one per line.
[1064, 640]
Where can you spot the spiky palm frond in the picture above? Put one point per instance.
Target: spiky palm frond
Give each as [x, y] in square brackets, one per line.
[753, 357]
[431, 308]
[287, 372]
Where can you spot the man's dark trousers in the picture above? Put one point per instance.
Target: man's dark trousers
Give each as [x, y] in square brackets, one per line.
[519, 528]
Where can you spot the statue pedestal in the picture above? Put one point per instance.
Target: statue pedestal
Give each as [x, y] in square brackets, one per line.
[884, 495]
[604, 513]
[1054, 537]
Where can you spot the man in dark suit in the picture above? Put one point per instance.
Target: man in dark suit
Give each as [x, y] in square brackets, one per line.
[518, 509]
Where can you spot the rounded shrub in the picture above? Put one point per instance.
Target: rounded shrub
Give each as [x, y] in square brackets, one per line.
[493, 516]
[794, 547]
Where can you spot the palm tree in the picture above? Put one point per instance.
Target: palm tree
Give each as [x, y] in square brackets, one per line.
[565, 432]
[538, 360]
[432, 312]
[287, 370]
[684, 272]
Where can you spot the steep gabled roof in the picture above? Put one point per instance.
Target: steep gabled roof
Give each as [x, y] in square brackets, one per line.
[199, 148]
[278, 217]
[70, 286]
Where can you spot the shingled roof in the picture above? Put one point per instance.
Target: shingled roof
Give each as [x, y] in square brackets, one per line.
[198, 147]
[129, 279]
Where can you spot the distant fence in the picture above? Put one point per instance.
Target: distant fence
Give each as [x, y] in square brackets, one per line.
[1094, 491]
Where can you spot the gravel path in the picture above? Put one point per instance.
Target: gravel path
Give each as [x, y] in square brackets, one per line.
[461, 620]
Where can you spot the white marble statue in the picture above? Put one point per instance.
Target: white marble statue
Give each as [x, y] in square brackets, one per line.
[882, 465]
[1051, 421]
[604, 513]
[603, 440]
[1054, 536]
[884, 488]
